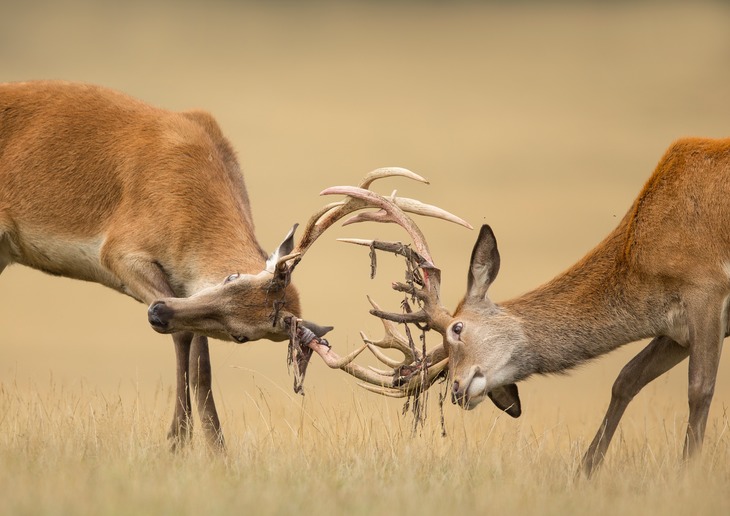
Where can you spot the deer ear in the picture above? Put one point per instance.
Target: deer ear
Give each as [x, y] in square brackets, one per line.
[484, 264]
[284, 248]
[507, 398]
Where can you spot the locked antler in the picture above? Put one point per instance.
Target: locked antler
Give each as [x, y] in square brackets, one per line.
[418, 369]
[305, 337]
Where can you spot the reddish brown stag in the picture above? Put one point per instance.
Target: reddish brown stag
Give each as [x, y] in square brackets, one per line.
[98, 186]
[664, 272]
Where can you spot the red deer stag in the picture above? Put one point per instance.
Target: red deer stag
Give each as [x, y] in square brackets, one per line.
[664, 272]
[98, 186]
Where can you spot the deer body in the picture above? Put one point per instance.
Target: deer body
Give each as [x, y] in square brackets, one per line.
[88, 173]
[97, 186]
[664, 272]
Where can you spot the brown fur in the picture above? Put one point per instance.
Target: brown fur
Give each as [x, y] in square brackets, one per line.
[98, 186]
[664, 272]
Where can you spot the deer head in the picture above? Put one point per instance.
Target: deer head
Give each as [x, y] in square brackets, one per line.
[481, 340]
[241, 308]
[478, 340]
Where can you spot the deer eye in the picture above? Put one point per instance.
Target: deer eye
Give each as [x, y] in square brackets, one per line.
[457, 328]
[231, 278]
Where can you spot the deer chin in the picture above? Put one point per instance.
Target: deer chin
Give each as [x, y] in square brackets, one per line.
[471, 390]
[476, 392]
[477, 387]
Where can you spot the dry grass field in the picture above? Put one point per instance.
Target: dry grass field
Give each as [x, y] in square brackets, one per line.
[541, 120]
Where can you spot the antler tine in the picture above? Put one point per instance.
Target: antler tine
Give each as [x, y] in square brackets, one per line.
[317, 224]
[414, 385]
[393, 338]
[375, 350]
[432, 312]
[331, 213]
[389, 392]
[389, 342]
[380, 173]
[383, 383]
[391, 247]
[428, 210]
[409, 206]
[334, 361]
[391, 213]
[337, 362]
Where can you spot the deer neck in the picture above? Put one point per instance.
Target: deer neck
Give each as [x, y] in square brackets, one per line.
[593, 308]
[199, 262]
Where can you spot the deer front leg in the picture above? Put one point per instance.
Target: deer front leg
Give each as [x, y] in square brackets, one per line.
[658, 357]
[182, 422]
[146, 280]
[201, 382]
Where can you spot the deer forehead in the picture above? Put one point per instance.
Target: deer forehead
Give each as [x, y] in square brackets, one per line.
[476, 312]
[217, 285]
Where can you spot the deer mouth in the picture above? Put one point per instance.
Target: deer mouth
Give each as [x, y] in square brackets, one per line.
[470, 392]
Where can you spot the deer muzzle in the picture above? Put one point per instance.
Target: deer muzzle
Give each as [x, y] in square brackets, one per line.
[159, 315]
[470, 391]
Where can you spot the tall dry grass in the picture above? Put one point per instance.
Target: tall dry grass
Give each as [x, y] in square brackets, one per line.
[71, 449]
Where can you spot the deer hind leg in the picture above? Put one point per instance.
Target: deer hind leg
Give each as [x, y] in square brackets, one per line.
[5, 259]
[659, 356]
[201, 382]
[706, 338]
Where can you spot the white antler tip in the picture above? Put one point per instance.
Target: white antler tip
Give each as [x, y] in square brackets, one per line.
[332, 190]
[380, 173]
[356, 241]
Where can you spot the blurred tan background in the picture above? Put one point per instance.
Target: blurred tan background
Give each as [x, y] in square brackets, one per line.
[541, 120]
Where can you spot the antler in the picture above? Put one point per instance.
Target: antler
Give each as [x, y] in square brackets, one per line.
[418, 369]
[359, 198]
[423, 284]
[411, 375]
[391, 209]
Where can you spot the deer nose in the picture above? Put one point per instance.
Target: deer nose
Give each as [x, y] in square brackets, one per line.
[456, 398]
[158, 316]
